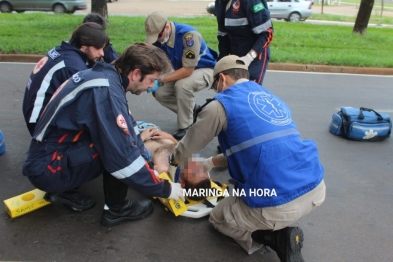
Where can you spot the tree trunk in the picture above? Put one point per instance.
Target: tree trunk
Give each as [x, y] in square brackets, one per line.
[365, 9]
[99, 6]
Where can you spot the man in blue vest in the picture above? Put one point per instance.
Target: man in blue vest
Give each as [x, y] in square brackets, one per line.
[192, 61]
[277, 176]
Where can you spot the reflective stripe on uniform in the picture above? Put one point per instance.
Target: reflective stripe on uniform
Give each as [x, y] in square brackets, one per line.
[260, 139]
[70, 96]
[263, 27]
[131, 169]
[221, 33]
[236, 22]
[39, 100]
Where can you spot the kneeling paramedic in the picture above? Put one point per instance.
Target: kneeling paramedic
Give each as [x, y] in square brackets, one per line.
[280, 174]
[87, 130]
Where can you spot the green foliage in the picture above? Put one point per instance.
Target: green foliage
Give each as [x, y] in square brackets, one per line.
[293, 42]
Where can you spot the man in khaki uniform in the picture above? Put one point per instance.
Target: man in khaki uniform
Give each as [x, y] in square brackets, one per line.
[278, 176]
[192, 61]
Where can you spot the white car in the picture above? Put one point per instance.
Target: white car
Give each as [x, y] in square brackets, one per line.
[289, 10]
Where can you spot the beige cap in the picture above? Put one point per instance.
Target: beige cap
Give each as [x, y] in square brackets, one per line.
[154, 24]
[228, 62]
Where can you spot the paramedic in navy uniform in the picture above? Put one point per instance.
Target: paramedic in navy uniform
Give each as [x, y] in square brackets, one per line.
[87, 130]
[246, 30]
[264, 151]
[110, 53]
[85, 47]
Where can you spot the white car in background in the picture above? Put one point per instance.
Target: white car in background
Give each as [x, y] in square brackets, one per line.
[289, 10]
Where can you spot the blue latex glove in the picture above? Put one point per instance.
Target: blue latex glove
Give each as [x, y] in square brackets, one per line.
[155, 88]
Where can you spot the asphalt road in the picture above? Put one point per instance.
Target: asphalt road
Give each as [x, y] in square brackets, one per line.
[354, 223]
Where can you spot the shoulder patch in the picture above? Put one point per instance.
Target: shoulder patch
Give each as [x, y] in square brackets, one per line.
[121, 122]
[189, 38]
[76, 78]
[258, 7]
[40, 64]
[190, 54]
[53, 54]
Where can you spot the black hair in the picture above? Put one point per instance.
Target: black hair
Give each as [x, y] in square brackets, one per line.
[89, 34]
[203, 184]
[95, 18]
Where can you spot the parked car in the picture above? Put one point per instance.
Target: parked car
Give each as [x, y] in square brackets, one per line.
[289, 10]
[57, 6]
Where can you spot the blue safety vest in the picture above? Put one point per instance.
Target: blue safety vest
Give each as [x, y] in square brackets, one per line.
[269, 162]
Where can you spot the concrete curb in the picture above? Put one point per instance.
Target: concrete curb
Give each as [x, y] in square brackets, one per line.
[272, 66]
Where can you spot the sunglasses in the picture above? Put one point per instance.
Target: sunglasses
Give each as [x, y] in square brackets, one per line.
[162, 31]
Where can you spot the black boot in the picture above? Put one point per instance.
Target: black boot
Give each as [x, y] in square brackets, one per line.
[287, 242]
[130, 210]
[178, 135]
[72, 198]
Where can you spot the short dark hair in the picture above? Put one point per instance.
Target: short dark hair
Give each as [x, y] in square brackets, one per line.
[95, 18]
[203, 184]
[89, 34]
[145, 57]
[237, 73]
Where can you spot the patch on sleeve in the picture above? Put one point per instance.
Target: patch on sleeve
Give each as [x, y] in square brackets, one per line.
[76, 78]
[40, 64]
[53, 54]
[121, 122]
[258, 7]
[189, 38]
[190, 54]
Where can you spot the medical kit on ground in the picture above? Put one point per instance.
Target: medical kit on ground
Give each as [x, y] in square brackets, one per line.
[361, 124]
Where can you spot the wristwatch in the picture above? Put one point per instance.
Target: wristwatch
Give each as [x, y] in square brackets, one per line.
[159, 82]
[253, 54]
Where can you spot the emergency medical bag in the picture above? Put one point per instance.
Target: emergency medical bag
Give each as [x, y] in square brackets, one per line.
[361, 124]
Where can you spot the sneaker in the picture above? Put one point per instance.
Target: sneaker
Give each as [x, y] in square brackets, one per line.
[72, 198]
[131, 210]
[287, 242]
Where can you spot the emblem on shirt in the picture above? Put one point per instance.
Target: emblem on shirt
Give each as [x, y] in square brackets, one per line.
[40, 64]
[235, 7]
[269, 108]
[121, 122]
[190, 54]
[258, 7]
[76, 78]
[189, 38]
[53, 54]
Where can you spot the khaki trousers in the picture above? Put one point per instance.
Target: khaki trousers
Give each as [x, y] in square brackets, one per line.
[234, 218]
[179, 96]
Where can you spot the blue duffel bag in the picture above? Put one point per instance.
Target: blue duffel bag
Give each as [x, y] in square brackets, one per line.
[362, 124]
